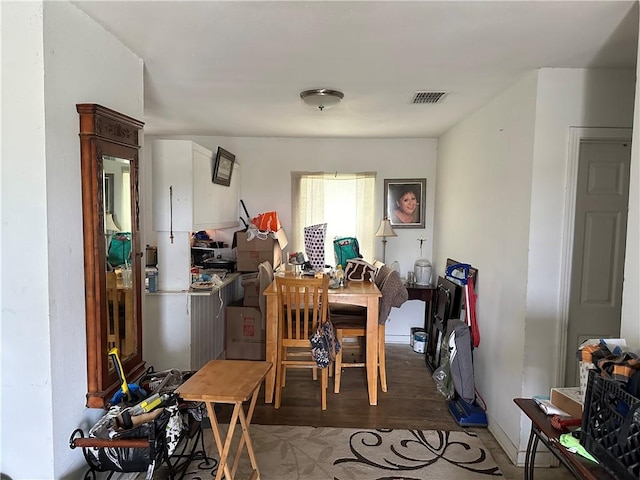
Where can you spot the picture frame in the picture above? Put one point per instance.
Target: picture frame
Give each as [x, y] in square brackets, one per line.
[223, 167]
[413, 216]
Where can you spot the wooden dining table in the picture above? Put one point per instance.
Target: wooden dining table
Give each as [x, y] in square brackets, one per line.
[365, 294]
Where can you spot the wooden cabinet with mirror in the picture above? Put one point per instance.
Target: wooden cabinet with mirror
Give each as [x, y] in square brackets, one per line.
[109, 144]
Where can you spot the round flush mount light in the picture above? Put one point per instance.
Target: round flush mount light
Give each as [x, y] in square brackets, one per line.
[321, 98]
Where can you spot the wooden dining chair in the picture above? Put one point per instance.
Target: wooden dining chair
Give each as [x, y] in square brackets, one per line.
[113, 312]
[353, 325]
[302, 306]
[350, 323]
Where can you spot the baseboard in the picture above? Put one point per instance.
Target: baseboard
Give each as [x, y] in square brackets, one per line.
[397, 339]
[543, 457]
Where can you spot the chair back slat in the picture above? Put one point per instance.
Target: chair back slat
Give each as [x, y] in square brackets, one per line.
[302, 305]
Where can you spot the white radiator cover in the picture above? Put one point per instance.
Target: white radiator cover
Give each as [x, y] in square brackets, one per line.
[208, 314]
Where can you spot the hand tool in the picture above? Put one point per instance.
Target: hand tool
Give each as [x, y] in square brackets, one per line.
[124, 386]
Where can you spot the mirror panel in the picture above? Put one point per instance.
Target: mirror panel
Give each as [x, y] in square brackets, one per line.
[113, 275]
[121, 332]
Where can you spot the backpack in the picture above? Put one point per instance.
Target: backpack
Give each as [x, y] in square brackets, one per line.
[346, 248]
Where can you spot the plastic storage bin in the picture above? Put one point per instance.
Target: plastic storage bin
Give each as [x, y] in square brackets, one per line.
[611, 427]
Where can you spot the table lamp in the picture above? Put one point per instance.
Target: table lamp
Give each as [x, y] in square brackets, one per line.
[110, 224]
[385, 230]
[110, 228]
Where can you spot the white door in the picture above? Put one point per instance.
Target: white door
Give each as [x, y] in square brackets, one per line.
[595, 294]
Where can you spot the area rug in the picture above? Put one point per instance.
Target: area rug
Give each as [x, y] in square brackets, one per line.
[324, 453]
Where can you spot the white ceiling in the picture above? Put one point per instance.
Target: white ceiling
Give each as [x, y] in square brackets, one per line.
[237, 68]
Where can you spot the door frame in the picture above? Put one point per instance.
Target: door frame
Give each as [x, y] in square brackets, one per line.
[576, 136]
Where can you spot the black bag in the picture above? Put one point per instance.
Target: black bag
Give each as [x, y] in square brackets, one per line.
[324, 344]
[163, 433]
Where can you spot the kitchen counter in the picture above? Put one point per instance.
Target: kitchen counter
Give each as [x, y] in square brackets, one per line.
[229, 278]
[184, 329]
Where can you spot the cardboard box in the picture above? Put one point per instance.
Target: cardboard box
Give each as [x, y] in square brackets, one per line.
[245, 339]
[568, 399]
[251, 287]
[251, 253]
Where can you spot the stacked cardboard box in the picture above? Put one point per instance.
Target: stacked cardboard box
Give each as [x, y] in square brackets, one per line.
[568, 399]
[245, 333]
[251, 287]
[251, 253]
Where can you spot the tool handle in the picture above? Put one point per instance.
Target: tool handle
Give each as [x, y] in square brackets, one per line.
[124, 386]
[245, 209]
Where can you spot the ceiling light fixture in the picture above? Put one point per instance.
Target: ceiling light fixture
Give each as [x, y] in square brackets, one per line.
[321, 98]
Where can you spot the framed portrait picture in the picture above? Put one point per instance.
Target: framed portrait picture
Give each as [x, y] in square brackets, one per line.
[223, 167]
[404, 202]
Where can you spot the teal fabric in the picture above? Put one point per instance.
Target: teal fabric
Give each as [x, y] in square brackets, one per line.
[346, 248]
[120, 249]
[572, 444]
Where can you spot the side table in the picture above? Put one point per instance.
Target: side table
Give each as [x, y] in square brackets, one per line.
[542, 431]
[232, 382]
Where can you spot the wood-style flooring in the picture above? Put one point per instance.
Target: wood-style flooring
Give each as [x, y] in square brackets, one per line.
[411, 401]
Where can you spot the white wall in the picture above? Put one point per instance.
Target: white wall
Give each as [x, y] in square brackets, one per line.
[266, 185]
[25, 324]
[483, 198]
[566, 97]
[519, 265]
[43, 323]
[630, 327]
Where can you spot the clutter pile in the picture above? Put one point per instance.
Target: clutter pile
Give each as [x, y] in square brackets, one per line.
[146, 424]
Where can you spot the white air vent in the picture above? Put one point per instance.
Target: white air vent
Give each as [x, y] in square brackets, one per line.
[428, 97]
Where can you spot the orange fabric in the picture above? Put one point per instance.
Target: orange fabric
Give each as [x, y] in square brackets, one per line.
[267, 222]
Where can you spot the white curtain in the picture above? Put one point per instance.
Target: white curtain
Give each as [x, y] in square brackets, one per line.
[345, 202]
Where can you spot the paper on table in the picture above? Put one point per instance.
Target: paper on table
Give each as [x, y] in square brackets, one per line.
[549, 408]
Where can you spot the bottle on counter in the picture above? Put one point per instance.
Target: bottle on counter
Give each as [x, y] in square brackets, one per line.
[340, 276]
[151, 279]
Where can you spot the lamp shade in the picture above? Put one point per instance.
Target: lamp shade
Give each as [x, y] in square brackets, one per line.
[385, 229]
[321, 98]
[110, 224]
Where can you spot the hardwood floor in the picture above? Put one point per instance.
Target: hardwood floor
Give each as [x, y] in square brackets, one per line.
[411, 401]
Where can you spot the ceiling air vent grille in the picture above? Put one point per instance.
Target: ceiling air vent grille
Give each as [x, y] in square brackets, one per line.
[428, 97]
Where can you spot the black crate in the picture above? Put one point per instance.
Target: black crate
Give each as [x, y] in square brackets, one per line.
[611, 427]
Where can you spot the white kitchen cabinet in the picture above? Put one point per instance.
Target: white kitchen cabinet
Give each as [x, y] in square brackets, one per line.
[185, 330]
[184, 196]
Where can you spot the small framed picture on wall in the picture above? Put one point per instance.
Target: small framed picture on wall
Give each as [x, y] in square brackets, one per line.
[223, 167]
[404, 202]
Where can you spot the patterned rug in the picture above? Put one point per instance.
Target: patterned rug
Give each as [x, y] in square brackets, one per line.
[310, 453]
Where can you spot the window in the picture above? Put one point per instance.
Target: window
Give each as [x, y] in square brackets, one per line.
[345, 202]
